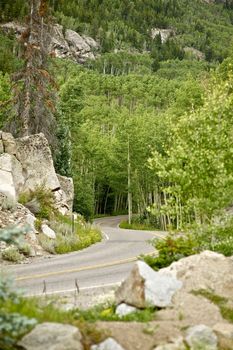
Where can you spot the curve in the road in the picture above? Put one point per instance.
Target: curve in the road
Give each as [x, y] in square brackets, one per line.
[101, 264]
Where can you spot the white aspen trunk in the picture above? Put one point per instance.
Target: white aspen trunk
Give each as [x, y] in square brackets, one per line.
[129, 186]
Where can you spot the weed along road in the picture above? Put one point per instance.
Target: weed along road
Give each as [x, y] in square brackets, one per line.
[103, 264]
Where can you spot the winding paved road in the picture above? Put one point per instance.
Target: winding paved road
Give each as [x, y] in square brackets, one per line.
[103, 264]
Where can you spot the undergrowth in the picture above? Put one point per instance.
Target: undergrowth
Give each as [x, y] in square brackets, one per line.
[70, 236]
[215, 237]
[40, 202]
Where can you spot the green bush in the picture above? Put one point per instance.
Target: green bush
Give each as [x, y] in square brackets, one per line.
[171, 249]
[40, 202]
[105, 312]
[12, 254]
[218, 238]
[70, 236]
[12, 324]
[25, 249]
[46, 243]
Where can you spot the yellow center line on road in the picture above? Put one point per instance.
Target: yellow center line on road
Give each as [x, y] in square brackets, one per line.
[85, 268]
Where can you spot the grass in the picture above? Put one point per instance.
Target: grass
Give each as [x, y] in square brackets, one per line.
[107, 313]
[45, 310]
[70, 236]
[226, 311]
[12, 254]
[136, 226]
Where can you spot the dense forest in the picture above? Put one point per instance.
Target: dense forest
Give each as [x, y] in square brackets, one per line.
[148, 124]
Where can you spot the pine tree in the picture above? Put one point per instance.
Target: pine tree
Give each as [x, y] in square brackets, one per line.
[34, 95]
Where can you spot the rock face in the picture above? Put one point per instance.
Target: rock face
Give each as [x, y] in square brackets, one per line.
[26, 164]
[200, 56]
[207, 271]
[62, 43]
[146, 287]
[34, 155]
[164, 33]
[52, 336]
[67, 188]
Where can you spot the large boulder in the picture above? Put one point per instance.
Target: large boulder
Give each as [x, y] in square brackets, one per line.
[52, 336]
[205, 271]
[34, 154]
[146, 287]
[11, 177]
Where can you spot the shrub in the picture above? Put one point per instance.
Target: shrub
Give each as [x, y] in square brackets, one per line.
[12, 254]
[105, 312]
[172, 248]
[12, 324]
[25, 249]
[40, 202]
[46, 243]
[218, 238]
[70, 236]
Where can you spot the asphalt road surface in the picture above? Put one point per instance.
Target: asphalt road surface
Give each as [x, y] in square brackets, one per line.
[104, 264]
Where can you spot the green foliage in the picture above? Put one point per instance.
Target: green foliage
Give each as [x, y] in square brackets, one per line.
[69, 236]
[102, 112]
[13, 235]
[171, 249]
[5, 97]
[25, 249]
[120, 25]
[105, 312]
[12, 324]
[40, 202]
[12, 254]
[215, 237]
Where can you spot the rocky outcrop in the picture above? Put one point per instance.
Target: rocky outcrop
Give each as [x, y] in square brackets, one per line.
[191, 51]
[165, 34]
[146, 287]
[52, 336]
[204, 277]
[208, 271]
[66, 195]
[27, 164]
[62, 43]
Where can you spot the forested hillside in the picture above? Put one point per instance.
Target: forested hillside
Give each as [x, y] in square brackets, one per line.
[149, 121]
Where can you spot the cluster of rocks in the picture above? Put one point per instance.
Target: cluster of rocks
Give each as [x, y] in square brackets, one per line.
[165, 34]
[61, 43]
[185, 319]
[25, 165]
